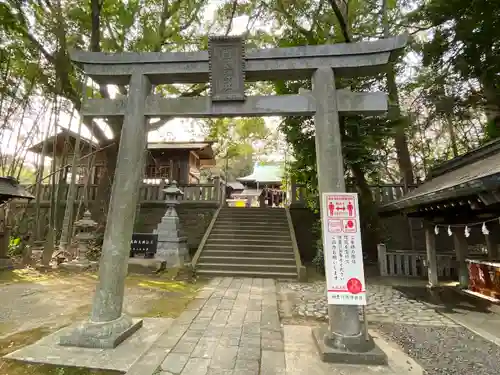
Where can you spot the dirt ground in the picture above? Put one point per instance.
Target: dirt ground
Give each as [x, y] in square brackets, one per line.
[34, 304]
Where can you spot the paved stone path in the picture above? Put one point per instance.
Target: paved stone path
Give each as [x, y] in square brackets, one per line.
[385, 304]
[232, 327]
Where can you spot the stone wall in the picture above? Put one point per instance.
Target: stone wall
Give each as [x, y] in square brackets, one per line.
[194, 217]
[303, 220]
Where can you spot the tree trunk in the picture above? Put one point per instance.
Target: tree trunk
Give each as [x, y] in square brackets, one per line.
[400, 141]
[369, 217]
[99, 208]
[492, 109]
[71, 197]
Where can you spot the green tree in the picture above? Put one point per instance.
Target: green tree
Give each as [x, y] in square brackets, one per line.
[235, 143]
[41, 34]
[465, 41]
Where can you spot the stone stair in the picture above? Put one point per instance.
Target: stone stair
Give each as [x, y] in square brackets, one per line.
[249, 242]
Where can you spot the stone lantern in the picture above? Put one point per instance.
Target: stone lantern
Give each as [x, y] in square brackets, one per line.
[172, 246]
[84, 235]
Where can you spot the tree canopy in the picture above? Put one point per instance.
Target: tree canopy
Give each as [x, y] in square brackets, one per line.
[444, 91]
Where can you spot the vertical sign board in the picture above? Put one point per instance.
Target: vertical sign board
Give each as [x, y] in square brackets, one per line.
[342, 249]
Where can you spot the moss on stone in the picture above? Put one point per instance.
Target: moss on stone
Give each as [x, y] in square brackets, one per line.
[18, 340]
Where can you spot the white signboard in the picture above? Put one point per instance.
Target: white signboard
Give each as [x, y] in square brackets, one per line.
[345, 275]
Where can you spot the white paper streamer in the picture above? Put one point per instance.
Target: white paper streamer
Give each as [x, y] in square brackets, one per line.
[436, 229]
[485, 230]
[449, 231]
[467, 231]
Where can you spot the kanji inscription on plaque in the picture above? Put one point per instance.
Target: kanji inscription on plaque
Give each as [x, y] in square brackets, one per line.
[227, 68]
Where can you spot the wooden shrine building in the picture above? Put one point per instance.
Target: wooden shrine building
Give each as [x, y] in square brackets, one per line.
[264, 183]
[180, 161]
[461, 201]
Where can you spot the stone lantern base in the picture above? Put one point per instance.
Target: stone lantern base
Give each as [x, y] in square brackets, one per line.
[79, 265]
[173, 251]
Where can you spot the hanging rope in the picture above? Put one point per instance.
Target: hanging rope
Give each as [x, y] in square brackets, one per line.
[484, 228]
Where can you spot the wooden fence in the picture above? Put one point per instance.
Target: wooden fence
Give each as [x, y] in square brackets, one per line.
[149, 193]
[408, 263]
[212, 192]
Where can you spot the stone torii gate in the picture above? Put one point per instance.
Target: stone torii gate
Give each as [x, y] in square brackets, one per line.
[227, 66]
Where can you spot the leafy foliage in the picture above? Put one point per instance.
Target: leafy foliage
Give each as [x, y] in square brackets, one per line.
[465, 44]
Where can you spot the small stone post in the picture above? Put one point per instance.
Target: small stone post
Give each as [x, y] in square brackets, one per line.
[491, 240]
[382, 259]
[172, 247]
[84, 235]
[5, 261]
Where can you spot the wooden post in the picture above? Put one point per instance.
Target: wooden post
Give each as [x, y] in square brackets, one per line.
[461, 249]
[430, 245]
[217, 188]
[293, 191]
[382, 259]
[492, 241]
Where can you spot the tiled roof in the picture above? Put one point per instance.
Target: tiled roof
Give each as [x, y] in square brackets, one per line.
[480, 175]
[9, 188]
[264, 174]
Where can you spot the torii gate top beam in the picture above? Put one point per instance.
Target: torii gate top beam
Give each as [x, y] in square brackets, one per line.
[348, 60]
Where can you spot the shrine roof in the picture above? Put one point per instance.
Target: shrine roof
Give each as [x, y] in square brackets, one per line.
[271, 174]
[10, 188]
[236, 185]
[204, 149]
[58, 140]
[470, 174]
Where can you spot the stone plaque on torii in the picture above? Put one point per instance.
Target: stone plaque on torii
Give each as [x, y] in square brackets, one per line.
[227, 66]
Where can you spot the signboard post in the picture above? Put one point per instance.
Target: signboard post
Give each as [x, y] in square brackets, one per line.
[342, 249]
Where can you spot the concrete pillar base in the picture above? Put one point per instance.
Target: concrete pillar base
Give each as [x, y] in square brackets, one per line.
[102, 335]
[354, 351]
[174, 252]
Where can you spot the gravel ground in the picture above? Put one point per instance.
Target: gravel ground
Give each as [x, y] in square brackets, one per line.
[447, 350]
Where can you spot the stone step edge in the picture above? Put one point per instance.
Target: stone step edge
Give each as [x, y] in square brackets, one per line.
[223, 265]
[258, 230]
[251, 254]
[232, 235]
[215, 257]
[251, 245]
[256, 239]
[250, 223]
[285, 275]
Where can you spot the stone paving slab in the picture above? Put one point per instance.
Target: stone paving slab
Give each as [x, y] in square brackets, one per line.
[232, 327]
[48, 351]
